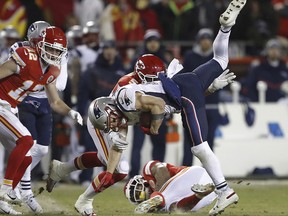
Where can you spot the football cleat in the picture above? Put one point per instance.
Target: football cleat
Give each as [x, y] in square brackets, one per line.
[84, 206]
[10, 196]
[56, 173]
[225, 199]
[5, 208]
[149, 205]
[228, 18]
[202, 190]
[32, 203]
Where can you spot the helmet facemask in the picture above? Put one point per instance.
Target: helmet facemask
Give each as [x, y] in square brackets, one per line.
[51, 53]
[115, 119]
[137, 190]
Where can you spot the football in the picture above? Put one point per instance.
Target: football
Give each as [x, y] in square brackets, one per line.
[145, 119]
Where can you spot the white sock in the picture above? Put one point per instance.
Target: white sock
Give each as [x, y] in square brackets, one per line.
[69, 166]
[211, 163]
[220, 48]
[25, 183]
[89, 193]
[38, 151]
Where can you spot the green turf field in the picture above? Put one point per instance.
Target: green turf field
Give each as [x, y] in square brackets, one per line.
[257, 198]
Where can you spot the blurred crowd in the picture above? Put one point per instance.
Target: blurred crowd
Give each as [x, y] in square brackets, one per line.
[105, 37]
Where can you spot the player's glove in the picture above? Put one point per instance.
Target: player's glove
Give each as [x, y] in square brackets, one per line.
[117, 141]
[223, 80]
[75, 116]
[105, 182]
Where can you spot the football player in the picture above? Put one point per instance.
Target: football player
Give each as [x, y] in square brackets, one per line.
[165, 187]
[29, 69]
[184, 92]
[35, 114]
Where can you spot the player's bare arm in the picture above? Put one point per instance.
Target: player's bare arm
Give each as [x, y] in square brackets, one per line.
[161, 174]
[58, 105]
[8, 68]
[153, 104]
[55, 101]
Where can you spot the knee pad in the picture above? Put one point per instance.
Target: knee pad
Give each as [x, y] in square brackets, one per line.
[123, 167]
[38, 150]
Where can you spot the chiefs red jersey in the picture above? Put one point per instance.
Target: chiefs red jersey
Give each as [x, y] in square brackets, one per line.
[147, 173]
[29, 77]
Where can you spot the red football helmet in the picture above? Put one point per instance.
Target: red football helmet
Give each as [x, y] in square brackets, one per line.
[52, 45]
[148, 66]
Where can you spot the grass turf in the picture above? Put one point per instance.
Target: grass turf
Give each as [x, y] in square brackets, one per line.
[257, 198]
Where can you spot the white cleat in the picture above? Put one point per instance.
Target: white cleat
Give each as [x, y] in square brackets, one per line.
[202, 190]
[10, 196]
[225, 199]
[84, 206]
[228, 18]
[32, 203]
[149, 205]
[5, 208]
[56, 173]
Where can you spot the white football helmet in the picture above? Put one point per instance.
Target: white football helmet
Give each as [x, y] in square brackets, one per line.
[137, 190]
[104, 115]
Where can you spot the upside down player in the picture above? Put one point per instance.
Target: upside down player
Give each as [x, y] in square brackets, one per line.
[28, 70]
[185, 92]
[173, 184]
[110, 145]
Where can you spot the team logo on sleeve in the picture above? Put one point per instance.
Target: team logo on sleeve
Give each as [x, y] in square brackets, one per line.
[127, 100]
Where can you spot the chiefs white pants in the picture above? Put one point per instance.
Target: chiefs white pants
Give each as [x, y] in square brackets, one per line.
[11, 129]
[179, 187]
[103, 146]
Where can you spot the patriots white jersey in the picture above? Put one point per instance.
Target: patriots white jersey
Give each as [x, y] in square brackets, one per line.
[125, 98]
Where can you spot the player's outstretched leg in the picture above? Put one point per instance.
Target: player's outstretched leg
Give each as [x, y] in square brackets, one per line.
[84, 206]
[56, 173]
[225, 198]
[149, 205]
[228, 18]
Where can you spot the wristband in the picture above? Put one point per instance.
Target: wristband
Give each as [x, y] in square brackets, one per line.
[157, 116]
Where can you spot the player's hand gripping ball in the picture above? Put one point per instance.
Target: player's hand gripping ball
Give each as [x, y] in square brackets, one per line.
[145, 122]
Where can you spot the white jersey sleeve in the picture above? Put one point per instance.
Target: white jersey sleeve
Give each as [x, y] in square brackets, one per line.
[126, 97]
[61, 80]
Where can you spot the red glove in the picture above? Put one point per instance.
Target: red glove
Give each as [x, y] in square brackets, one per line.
[146, 130]
[106, 181]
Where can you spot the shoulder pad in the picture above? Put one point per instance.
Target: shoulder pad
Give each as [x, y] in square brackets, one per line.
[20, 56]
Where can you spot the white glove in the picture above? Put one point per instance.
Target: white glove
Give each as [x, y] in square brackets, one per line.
[284, 87]
[117, 141]
[75, 116]
[170, 109]
[173, 68]
[223, 80]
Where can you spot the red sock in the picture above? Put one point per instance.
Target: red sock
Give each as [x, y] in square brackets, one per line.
[20, 172]
[116, 178]
[17, 156]
[188, 203]
[87, 160]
